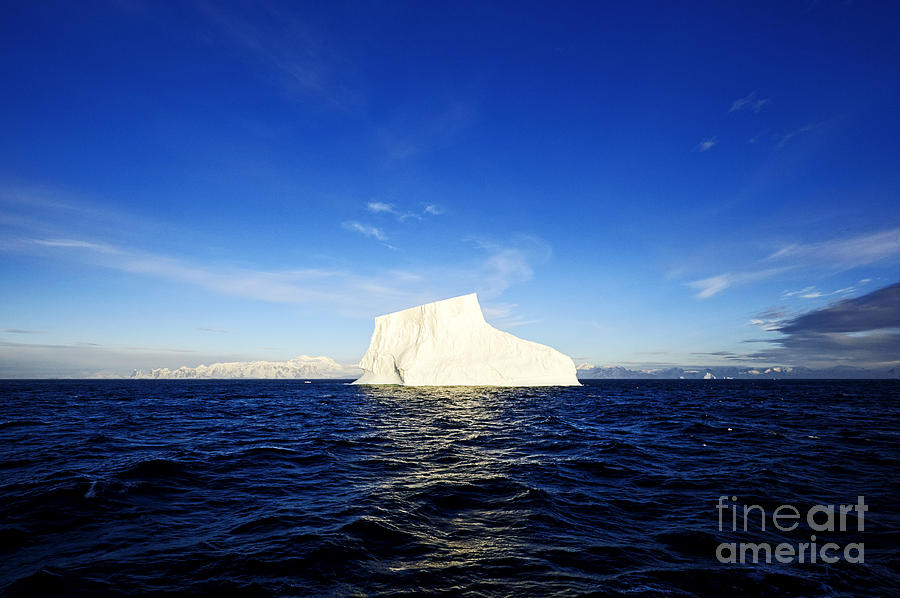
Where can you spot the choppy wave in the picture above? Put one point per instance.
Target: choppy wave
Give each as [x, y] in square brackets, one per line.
[285, 488]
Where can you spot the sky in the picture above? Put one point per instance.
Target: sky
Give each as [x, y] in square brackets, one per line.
[632, 183]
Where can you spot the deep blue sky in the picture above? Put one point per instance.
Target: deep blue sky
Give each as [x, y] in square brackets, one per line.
[629, 182]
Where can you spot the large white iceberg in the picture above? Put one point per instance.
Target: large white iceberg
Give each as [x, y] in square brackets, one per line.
[448, 343]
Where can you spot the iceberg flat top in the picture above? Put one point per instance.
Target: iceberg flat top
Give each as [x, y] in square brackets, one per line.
[448, 343]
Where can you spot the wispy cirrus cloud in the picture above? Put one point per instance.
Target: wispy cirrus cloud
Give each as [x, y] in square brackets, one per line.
[815, 294]
[364, 229]
[380, 207]
[833, 255]
[21, 331]
[764, 324]
[494, 268]
[87, 345]
[811, 292]
[209, 329]
[785, 138]
[504, 315]
[802, 291]
[845, 252]
[297, 56]
[750, 102]
[76, 244]
[709, 287]
[508, 264]
[402, 214]
[707, 144]
[424, 127]
[771, 318]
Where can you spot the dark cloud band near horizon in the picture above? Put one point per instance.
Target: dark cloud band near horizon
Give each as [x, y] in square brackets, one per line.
[874, 311]
[858, 331]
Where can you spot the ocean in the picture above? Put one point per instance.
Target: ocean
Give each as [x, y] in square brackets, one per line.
[283, 488]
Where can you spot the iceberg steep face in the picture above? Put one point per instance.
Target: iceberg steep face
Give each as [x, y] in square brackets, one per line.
[448, 343]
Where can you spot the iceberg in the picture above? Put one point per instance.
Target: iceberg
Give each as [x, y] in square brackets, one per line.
[448, 343]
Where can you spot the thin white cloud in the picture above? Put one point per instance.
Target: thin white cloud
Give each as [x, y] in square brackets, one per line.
[792, 134]
[21, 331]
[800, 292]
[364, 229]
[94, 241]
[406, 276]
[497, 268]
[423, 128]
[515, 323]
[709, 287]
[750, 102]
[767, 325]
[76, 244]
[713, 285]
[815, 294]
[497, 310]
[298, 56]
[811, 292]
[771, 318]
[158, 350]
[832, 255]
[503, 315]
[841, 253]
[707, 144]
[379, 206]
[507, 265]
[218, 330]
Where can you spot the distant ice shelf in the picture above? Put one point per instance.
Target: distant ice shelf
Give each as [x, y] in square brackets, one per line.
[448, 343]
[302, 366]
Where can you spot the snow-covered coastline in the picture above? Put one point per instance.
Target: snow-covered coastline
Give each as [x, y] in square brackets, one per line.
[302, 366]
[587, 371]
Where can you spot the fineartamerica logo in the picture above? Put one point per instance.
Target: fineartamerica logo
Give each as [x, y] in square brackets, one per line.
[786, 518]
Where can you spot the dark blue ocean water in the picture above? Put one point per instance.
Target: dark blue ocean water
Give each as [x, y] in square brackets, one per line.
[285, 488]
